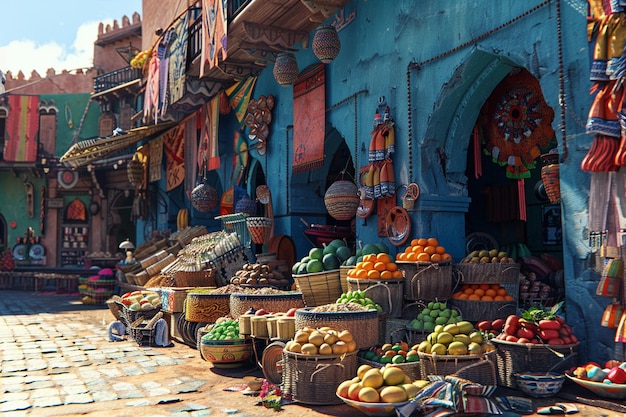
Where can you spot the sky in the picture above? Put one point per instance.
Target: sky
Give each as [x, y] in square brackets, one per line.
[41, 34]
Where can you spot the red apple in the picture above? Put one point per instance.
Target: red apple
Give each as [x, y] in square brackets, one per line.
[497, 324]
[291, 312]
[617, 375]
[483, 325]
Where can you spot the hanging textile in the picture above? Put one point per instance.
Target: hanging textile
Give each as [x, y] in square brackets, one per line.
[178, 60]
[143, 154]
[214, 30]
[155, 159]
[208, 152]
[309, 115]
[240, 158]
[151, 99]
[239, 97]
[193, 126]
[22, 127]
[516, 122]
[174, 142]
[164, 69]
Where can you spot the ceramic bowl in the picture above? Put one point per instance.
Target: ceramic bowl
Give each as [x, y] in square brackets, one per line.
[374, 409]
[613, 391]
[227, 353]
[539, 384]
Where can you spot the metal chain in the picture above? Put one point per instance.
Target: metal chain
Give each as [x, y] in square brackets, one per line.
[409, 123]
[562, 102]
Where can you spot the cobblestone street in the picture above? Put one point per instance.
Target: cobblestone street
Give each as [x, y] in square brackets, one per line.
[56, 360]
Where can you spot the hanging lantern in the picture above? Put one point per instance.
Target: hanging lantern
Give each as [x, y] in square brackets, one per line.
[611, 315]
[342, 200]
[135, 170]
[550, 177]
[204, 198]
[285, 68]
[326, 43]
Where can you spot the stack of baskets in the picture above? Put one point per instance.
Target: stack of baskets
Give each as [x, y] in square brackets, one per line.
[98, 288]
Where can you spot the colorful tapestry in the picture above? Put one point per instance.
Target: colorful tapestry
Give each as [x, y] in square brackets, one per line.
[22, 126]
[208, 152]
[214, 30]
[155, 159]
[151, 99]
[174, 144]
[517, 124]
[178, 59]
[239, 97]
[309, 116]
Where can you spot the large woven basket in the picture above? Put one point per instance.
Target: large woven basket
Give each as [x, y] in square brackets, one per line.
[204, 278]
[240, 303]
[342, 200]
[203, 307]
[260, 229]
[364, 325]
[313, 379]
[515, 357]
[474, 311]
[411, 369]
[173, 299]
[449, 364]
[387, 293]
[427, 281]
[505, 274]
[319, 288]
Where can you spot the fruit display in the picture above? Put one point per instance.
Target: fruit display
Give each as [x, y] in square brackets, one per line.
[397, 353]
[365, 249]
[424, 250]
[359, 297]
[388, 384]
[141, 300]
[432, 314]
[225, 328]
[531, 288]
[537, 326]
[321, 341]
[485, 256]
[375, 266]
[482, 292]
[327, 258]
[613, 372]
[455, 339]
[262, 275]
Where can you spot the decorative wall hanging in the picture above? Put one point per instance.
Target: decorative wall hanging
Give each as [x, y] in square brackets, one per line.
[309, 115]
[67, 179]
[174, 143]
[208, 150]
[22, 128]
[239, 97]
[326, 44]
[285, 69]
[214, 31]
[204, 198]
[342, 200]
[516, 123]
[258, 119]
[76, 211]
[178, 59]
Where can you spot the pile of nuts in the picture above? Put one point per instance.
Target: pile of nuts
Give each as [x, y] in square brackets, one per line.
[259, 274]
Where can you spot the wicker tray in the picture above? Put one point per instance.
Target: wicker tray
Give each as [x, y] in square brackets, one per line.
[313, 379]
[319, 288]
[515, 357]
[412, 369]
[240, 303]
[449, 364]
[364, 325]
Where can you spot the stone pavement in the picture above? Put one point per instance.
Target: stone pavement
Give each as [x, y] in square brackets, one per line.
[55, 359]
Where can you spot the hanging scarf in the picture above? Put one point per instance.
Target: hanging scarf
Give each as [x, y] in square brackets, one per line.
[239, 97]
[214, 29]
[174, 142]
[151, 100]
[208, 152]
[22, 127]
[178, 59]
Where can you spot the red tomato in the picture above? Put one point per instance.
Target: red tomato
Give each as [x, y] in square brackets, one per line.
[497, 324]
[556, 341]
[483, 325]
[530, 326]
[525, 333]
[547, 334]
[511, 338]
[549, 324]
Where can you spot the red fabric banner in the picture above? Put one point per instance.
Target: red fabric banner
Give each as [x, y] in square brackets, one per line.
[174, 143]
[22, 127]
[309, 116]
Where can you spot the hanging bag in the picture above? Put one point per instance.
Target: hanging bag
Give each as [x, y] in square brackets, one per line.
[611, 279]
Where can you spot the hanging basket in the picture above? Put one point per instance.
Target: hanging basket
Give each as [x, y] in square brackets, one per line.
[204, 198]
[326, 44]
[246, 205]
[550, 177]
[260, 229]
[135, 171]
[342, 200]
[286, 69]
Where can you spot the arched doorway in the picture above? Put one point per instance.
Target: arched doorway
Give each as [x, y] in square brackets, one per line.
[3, 233]
[120, 221]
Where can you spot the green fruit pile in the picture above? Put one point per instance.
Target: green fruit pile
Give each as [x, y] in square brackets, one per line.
[226, 329]
[368, 248]
[455, 339]
[486, 256]
[435, 313]
[359, 297]
[399, 352]
[327, 258]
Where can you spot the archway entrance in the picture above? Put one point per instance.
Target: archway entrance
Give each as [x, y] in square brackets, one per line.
[120, 221]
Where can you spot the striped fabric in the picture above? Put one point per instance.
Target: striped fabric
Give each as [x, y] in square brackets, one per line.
[22, 129]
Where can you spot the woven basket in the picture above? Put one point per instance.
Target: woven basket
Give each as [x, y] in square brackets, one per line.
[135, 170]
[206, 307]
[450, 364]
[388, 293]
[153, 259]
[426, 281]
[204, 198]
[141, 278]
[411, 369]
[364, 325]
[260, 229]
[313, 379]
[204, 278]
[342, 200]
[343, 278]
[507, 275]
[320, 288]
[482, 372]
[515, 357]
[474, 311]
[240, 303]
[173, 299]
[156, 268]
[128, 317]
[551, 182]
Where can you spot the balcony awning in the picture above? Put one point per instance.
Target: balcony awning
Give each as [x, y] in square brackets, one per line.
[89, 150]
[116, 88]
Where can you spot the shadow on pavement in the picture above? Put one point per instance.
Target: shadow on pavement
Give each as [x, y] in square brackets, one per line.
[29, 302]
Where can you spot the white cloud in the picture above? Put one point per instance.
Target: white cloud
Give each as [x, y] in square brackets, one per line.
[26, 55]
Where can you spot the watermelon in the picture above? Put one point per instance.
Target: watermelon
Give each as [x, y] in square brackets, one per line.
[314, 265]
[382, 247]
[316, 253]
[302, 268]
[329, 249]
[343, 253]
[337, 243]
[370, 248]
[351, 261]
[330, 262]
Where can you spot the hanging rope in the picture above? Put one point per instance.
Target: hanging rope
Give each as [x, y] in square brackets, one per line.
[562, 103]
[409, 122]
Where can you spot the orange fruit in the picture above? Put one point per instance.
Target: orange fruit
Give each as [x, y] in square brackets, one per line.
[418, 249]
[423, 257]
[386, 274]
[508, 297]
[435, 257]
[473, 297]
[380, 266]
[498, 298]
[391, 266]
[468, 291]
[397, 274]
[383, 257]
[485, 286]
[491, 292]
[361, 273]
[351, 273]
[414, 242]
[501, 291]
[486, 298]
[479, 292]
[367, 265]
[463, 296]
[411, 257]
[440, 250]
[432, 241]
[422, 241]
[474, 286]
[370, 257]
[409, 249]
[457, 294]
[373, 274]
[446, 257]
[401, 256]
[429, 250]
